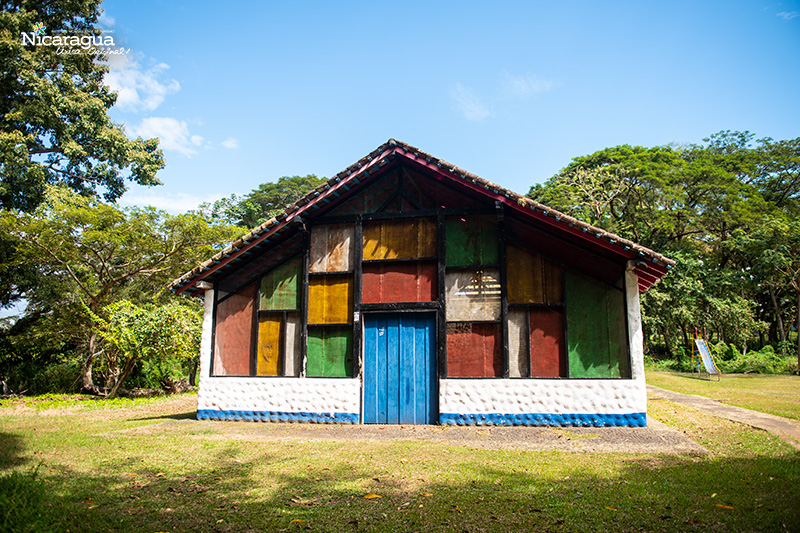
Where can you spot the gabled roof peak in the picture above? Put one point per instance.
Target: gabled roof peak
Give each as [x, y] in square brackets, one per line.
[650, 265]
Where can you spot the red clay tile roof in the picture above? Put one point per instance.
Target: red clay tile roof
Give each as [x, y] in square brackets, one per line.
[650, 265]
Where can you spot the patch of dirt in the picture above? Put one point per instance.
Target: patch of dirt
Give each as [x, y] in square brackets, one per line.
[656, 438]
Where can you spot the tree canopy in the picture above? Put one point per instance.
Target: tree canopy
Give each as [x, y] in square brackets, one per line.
[54, 125]
[263, 202]
[727, 210]
[93, 253]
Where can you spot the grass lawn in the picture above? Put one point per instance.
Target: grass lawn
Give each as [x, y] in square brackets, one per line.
[774, 394]
[144, 465]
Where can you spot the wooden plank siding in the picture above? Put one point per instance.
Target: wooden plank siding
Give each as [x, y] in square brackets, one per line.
[519, 356]
[330, 299]
[330, 351]
[279, 287]
[473, 295]
[411, 281]
[472, 240]
[332, 248]
[474, 350]
[278, 349]
[268, 354]
[233, 334]
[546, 342]
[596, 330]
[399, 239]
[532, 279]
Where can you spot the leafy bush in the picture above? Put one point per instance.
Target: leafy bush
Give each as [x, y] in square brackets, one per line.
[57, 378]
[730, 360]
[22, 503]
[764, 361]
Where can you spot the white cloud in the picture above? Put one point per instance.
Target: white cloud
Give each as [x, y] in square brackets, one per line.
[171, 202]
[173, 133]
[523, 86]
[138, 88]
[469, 104]
[106, 20]
[789, 15]
[230, 143]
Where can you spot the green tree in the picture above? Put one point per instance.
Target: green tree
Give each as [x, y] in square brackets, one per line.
[148, 332]
[725, 209]
[633, 191]
[771, 252]
[94, 252]
[263, 202]
[55, 126]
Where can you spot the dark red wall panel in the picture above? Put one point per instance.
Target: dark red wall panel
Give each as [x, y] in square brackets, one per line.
[547, 342]
[233, 336]
[474, 350]
[399, 282]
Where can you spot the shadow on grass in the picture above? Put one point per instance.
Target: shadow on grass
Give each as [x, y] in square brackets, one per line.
[189, 415]
[325, 490]
[11, 449]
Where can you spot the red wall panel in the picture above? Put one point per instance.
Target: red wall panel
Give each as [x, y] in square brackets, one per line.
[474, 350]
[399, 282]
[233, 335]
[547, 342]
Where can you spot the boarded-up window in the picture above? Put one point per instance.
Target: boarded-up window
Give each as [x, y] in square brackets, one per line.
[330, 351]
[233, 333]
[596, 336]
[474, 350]
[279, 288]
[331, 248]
[473, 295]
[532, 279]
[330, 299]
[400, 239]
[472, 240]
[278, 352]
[407, 281]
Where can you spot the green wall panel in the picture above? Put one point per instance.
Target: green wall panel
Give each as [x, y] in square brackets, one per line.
[596, 338]
[472, 240]
[329, 352]
[279, 288]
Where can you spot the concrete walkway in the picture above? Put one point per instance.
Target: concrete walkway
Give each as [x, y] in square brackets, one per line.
[785, 428]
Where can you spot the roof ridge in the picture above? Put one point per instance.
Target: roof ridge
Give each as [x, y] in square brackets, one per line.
[365, 163]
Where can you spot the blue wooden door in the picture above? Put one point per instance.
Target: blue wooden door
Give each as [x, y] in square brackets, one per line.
[400, 368]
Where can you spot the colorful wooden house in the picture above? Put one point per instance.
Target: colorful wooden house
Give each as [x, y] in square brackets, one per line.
[406, 290]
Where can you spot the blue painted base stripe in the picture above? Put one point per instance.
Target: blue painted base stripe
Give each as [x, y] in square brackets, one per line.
[278, 416]
[536, 419]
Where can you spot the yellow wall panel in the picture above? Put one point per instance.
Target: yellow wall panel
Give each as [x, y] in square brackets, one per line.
[269, 345]
[400, 239]
[330, 299]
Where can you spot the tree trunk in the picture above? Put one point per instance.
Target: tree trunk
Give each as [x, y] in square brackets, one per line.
[665, 334]
[87, 385]
[797, 328]
[781, 329]
[129, 364]
[193, 373]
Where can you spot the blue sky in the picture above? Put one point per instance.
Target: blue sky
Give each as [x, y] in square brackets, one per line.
[243, 93]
